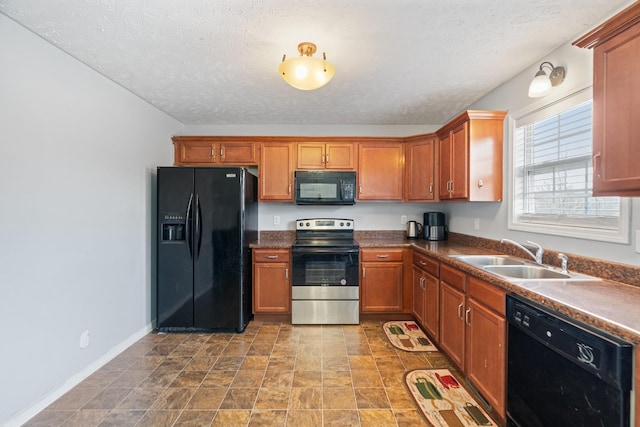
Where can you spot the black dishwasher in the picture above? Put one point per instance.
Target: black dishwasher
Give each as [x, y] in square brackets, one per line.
[564, 373]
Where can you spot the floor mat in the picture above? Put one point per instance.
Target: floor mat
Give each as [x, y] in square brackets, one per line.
[407, 335]
[443, 401]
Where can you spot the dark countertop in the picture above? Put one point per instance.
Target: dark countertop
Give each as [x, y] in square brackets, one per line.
[607, 305]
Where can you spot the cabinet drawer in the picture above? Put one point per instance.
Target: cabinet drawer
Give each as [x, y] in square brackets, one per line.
[452, 276]
[380, 255]
[487, 294]
[427, 264]
[271, 255]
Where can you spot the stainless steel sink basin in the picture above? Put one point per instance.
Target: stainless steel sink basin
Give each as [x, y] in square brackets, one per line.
[485, 260]
[530, 271]
[526, 272]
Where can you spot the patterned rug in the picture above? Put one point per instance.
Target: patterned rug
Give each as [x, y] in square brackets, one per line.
[407, 335]
[442, 400]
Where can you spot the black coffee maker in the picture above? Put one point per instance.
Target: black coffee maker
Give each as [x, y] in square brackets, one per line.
[434, 226]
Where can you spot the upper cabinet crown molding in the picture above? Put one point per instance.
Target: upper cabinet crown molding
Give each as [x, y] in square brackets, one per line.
[617, 24]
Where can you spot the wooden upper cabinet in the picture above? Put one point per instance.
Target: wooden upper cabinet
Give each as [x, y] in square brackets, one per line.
[317, 155]
[275, 174]
[420, 168]
[380, 170]
[616, 103]
[214, 150]
[470, 156]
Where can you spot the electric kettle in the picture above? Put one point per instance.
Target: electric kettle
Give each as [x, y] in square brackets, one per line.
[414, 229]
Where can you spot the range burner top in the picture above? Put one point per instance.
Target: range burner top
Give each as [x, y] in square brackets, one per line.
[325, 243]
[325, 233]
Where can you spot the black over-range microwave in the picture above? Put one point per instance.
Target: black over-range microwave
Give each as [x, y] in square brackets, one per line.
[325, 188]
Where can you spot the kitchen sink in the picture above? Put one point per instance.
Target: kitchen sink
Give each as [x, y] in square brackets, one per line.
[534, 272]
[526, 272]
[516, 269]
[486, 260]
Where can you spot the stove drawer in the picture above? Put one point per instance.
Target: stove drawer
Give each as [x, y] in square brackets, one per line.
[323, 312]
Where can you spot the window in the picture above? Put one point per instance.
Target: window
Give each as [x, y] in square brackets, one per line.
[552, 175]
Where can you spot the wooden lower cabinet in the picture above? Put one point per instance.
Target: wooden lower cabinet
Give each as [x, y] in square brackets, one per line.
[381, 281]
[452, 326]
[271, 283]
[485, 354]
[426, 293]
[473, 330]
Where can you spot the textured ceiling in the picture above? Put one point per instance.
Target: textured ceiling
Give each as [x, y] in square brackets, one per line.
[397, 61]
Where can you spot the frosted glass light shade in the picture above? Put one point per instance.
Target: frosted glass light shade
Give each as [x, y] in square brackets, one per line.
[540, 85]
[305, 72]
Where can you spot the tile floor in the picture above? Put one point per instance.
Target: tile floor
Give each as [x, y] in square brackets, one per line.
[273, 374]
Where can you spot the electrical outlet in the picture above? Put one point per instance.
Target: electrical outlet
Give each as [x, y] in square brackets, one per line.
[403, 219]
[476, 223]
[84, 339]
[276, 220]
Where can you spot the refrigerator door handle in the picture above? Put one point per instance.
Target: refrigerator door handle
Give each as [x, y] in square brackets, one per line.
[198, 227]
[187, 226]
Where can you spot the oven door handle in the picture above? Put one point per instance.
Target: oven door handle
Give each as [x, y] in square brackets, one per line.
[320, 250]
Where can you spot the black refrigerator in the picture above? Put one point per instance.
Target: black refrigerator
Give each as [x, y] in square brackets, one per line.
[206, 219]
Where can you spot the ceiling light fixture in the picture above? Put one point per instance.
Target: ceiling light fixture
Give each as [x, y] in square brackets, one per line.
[541, 84]
[306, 72]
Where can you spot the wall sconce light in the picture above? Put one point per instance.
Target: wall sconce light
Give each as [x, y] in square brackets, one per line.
[541, 84]
[306, 72]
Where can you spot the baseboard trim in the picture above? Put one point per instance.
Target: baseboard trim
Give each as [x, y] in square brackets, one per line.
[76, 379]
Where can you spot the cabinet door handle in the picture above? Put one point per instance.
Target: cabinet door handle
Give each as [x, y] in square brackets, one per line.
[422, 281]
[466, 317]
[596, 164]
[460, 310]
[213, 153]
[383, 256]
[364, 272]
[286, 273]
[422, 262]
[222, 152]
[431, 188]
[326, 159]
[289, 190]
[451, 191]
[272, 257]
[360, 188]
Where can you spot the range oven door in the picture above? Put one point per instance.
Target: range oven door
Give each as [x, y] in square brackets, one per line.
[317, 266]
[325, 287]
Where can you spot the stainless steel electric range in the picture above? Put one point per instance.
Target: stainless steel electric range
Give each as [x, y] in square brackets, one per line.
[325, 262]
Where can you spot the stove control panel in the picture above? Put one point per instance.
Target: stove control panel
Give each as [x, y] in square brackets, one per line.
[324, 224]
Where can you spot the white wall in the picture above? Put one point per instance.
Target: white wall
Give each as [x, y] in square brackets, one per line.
[77, 158]
[512, 96]
[366, 215]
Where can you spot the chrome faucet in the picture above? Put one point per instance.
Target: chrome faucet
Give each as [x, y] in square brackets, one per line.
[565, 261]
[539, 251]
